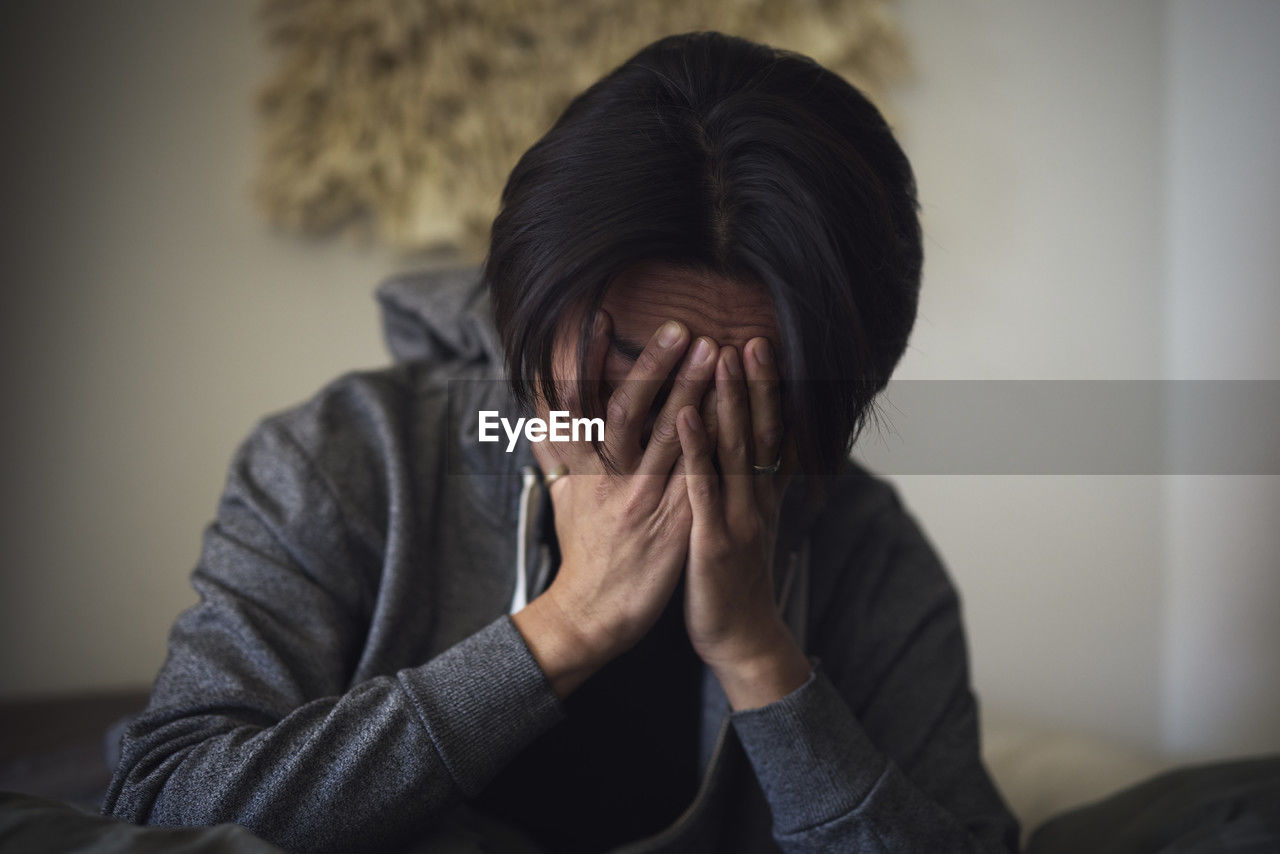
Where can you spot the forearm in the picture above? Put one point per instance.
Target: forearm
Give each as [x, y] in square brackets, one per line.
[831, 789]
[432, 732]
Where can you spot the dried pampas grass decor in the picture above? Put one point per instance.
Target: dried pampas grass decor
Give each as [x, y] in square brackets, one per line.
[399, 120]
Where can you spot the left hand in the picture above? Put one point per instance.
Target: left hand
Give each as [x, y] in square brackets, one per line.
[730, 613]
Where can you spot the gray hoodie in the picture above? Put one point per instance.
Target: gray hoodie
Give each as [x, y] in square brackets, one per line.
[351, 678]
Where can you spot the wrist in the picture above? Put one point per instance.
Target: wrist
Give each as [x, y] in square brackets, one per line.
[765, 675]
[561, 647]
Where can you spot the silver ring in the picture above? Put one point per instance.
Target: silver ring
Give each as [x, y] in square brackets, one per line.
[555, 474]
[773, 469]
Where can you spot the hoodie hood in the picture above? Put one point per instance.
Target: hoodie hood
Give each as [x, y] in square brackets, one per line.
[439, 315]
[443, 317]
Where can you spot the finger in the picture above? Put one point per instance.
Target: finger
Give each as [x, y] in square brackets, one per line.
[631, 400]
[690, 385]
[550, 460]
[679, 470]
[710, 417]
[766, 404]
[733, 443]
[675, 492]
[550, 455]
[675, 496]
[700, 479]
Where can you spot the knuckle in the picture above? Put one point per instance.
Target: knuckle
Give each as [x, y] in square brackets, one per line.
[649, 361]
[686, 384]
[664, 432]
[663, 523]
[634, 507]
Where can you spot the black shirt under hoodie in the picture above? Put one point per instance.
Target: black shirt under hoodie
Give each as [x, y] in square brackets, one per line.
[622, 765]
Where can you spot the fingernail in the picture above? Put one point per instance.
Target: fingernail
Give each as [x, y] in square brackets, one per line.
[764, 354]
[731, 364]
[701, 351]
[597, 326]
[669, 334]
[690, 418]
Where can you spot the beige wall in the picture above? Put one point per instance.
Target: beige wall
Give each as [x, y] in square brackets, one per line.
[1098, 181]
[1035, 129]
[1220, 674]
[150, 320]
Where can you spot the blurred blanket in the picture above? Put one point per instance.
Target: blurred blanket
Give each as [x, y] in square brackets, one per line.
[32, 825]
[1221, 807]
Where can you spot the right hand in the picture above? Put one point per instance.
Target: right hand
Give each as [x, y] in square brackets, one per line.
[624, 534]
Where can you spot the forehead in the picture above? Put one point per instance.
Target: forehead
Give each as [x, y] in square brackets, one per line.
[729, 311]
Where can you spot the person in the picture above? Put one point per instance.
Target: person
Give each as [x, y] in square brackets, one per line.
[702, 627]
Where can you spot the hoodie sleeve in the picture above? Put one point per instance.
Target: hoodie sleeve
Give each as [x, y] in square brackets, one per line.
[904, 772]
[252, 719]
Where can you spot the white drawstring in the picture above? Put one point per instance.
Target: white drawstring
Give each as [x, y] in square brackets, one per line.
[530, 476]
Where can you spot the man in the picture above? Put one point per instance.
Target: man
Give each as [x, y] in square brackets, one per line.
[704, 629]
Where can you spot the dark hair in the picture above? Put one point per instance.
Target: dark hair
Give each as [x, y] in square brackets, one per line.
[722, 155]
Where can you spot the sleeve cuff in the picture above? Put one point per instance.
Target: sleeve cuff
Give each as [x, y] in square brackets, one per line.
[813, 760]
[482, 701]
